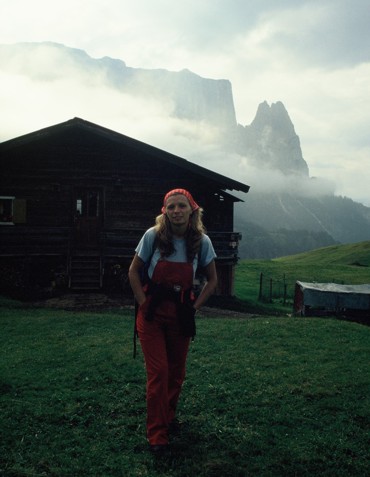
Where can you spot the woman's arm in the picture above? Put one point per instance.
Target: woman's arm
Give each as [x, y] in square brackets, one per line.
[135, 281]
[209, 287]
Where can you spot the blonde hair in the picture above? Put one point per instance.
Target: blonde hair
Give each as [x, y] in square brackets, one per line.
[193, 236]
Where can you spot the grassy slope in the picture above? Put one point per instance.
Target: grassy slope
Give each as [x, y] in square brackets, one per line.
[339, 263]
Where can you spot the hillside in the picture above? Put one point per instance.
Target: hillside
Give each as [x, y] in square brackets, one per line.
[353, 255]
[349, 264]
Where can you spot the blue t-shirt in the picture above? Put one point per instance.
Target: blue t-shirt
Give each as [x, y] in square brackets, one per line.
[145, 251]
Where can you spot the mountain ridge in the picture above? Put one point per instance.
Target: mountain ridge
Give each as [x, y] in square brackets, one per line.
[210, 100]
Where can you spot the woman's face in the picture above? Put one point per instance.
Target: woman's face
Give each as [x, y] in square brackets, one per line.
[178, 210]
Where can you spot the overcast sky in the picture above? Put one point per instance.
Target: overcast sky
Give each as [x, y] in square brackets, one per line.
[313, 55]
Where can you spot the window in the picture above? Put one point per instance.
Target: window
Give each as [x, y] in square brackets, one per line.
[12, 210]
[6, 209]
[78, 206]
[87, 203]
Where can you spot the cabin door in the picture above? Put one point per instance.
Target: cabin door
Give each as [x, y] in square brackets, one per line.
[88, 209]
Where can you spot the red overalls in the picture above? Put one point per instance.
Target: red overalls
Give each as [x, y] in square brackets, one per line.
[165, 350]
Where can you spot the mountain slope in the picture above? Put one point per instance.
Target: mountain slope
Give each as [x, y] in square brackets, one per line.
[357, 254]
[274, 225]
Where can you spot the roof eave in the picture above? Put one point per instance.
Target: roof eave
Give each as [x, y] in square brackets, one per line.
[223, 182]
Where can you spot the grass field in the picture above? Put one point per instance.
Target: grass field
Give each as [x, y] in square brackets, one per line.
[263, 397]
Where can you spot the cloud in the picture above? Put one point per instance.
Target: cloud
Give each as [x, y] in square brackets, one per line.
[36, 104]
[326, 34]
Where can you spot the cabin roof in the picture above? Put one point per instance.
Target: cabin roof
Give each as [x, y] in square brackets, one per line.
[223, 182]
[334, 288]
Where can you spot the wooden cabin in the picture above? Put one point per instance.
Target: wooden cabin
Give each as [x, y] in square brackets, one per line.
[76, 197]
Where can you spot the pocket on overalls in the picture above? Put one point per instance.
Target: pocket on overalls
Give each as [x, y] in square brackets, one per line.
[186, 314]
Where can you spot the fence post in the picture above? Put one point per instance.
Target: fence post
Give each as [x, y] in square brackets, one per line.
[270, 290]
[260, 292]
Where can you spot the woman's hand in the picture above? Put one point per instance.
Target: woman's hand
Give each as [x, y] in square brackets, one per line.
[135, 280]
[210, 286]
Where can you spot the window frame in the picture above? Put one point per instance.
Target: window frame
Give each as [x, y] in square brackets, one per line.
[12, 199]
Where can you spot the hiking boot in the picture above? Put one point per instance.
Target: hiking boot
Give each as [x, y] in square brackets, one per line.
[159, 449]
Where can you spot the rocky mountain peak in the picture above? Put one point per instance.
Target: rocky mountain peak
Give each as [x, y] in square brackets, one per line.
[270, 141]
[275, 116]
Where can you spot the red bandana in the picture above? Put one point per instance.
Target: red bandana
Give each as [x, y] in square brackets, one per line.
[184, 192]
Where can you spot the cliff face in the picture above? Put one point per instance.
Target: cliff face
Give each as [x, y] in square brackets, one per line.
[194, 98]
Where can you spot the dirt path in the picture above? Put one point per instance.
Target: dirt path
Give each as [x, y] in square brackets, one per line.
[101, 302]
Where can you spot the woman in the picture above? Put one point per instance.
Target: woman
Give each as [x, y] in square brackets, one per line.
[174, 248]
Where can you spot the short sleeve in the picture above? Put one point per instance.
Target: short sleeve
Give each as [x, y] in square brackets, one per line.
[207, 252]
[145, 247]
